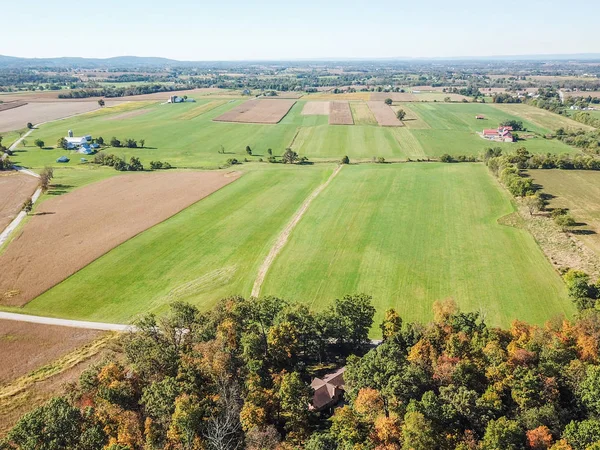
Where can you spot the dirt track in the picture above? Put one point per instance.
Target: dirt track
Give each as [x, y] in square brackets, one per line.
[258, 111]
[71, 231]
[15, 188]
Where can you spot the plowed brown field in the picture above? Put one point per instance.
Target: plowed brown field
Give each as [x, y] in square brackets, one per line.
[340, 114]
[384, 114]
[71, 231]
[15, 188]
[258, 111]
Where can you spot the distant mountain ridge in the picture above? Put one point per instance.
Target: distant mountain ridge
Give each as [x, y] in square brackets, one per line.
[131, 62]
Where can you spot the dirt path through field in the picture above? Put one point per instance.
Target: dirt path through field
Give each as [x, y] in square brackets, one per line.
[285, 234]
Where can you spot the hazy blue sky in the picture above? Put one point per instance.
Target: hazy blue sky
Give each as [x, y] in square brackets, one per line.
[238, 29]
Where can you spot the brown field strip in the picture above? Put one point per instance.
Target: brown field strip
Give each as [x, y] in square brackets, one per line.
[258, 111]
[384, 114]
[201, 109]
[70, 231]
[11, 105]
[315, 109]
[365, 96]
[395, 96]
[340, 114]
[15, 188]
[27, 346]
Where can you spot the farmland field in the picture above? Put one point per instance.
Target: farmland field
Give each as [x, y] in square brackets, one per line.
[579, 191]
[414, 233]
[208, 251]
[15, 188]
[186, 135]
[540, 117]
[70, 231]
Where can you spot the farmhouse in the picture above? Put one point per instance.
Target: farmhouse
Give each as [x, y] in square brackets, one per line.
[328, 390]
[501, 134]
[74, 142]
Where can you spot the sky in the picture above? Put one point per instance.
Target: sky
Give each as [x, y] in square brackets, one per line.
[267, 29]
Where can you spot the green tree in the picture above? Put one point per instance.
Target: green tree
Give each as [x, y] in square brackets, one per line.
[392, 323]
[503, 434]
[101, 102]
[345, 160]
[582, 434]
[27, 206]
[417, 432]
[270, 152]
[388, 101]
[400, 114]
[248, 150]
[289, 156]
[62, 143]
[294, 397]
[589, 390]
[39, 143]
[352, 316]
[29, 125]
[565, 222]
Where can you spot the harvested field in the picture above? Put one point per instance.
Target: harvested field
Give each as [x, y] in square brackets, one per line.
[362, 114]
[35, 113]
[15, 188]
[11, 105]
[315, 109]
[258, 111]
[365, 96]
[384, 115]
[395, 96]
[26, 346]
[340, 114]
[200, 109]
[69, 232]
[593, 94]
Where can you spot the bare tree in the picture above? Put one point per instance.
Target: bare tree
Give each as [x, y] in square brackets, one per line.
[224, 431]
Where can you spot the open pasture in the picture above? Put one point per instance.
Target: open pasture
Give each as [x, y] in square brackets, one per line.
[340, 113]
[15, 188]
[209, 251]
[412, 234]
[384, 114]
[258, 111]
[72, 230]
[200, 109]
[579, 191]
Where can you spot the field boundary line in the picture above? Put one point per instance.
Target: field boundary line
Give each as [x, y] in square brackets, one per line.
[101, 326]
[285, 234]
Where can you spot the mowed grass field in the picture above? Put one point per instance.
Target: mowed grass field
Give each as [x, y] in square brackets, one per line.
[186, 135]
[209, 251]
[412, 234]
[579, 191]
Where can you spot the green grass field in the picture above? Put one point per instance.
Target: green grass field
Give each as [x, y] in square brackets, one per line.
[186, 136]
[208, 251]
[408, 234]
[411, 234]
[579, 191]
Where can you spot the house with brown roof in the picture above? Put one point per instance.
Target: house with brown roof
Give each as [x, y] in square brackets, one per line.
[328, 390]
[502, 134]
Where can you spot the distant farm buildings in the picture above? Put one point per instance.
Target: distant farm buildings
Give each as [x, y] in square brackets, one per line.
[501, 134]
[83, 144]
[178, 99]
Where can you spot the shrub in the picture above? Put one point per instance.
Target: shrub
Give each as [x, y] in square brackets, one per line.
[232, 162]
[345, 160]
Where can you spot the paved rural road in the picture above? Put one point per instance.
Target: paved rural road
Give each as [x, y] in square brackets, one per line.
[66, 323]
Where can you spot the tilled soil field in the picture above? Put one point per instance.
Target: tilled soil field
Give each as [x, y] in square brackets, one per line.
[384, 114]
[258, 111]
[340, 114]
[11, 105]
[27, 346]
[15, 188]
[71, 231]
[315, 109]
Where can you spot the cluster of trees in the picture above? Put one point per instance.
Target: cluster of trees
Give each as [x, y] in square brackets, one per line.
[238, 374]
[460, 384]
[548, 98]
[587, 140]
[128, 143]
[524, 160]
[112, 91]
[6, 164]
[505, 97]
[446, 158]
[517, 125]
[159, 165]
[118, 163]
[583, 292]
[3, 148]
[586, 118]
[508, 169]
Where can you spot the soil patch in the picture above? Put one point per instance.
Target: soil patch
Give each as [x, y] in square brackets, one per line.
[71, 231]
[258, 111]
[315, 109]
[15, 188]
[11, 105]
[340, 113]
[384, 114]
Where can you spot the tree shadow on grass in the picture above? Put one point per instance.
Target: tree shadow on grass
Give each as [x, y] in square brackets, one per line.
[59, 189]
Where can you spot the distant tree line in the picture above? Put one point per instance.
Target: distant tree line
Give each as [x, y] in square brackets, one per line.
[118, 163]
